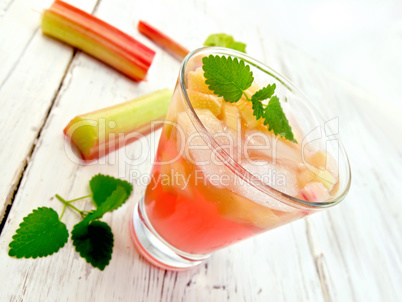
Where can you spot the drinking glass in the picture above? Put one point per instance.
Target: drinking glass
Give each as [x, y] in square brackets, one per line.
[220, 176]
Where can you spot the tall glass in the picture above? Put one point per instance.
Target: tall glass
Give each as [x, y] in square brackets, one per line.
[221, 176]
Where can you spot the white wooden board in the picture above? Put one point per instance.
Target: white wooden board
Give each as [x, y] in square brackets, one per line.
[349, 253]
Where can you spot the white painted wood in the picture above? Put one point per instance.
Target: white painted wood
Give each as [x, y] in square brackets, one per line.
[360, 240]
[4, 5]
[32, 68]
[349, 253]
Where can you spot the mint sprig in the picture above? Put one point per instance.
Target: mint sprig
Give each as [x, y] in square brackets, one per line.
[230, 78]
[224, 40]
[42, 233]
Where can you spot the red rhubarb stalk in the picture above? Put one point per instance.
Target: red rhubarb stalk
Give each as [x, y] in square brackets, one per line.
[97, 38]
[162, 40]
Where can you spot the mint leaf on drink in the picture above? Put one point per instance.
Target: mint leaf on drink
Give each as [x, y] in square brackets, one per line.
[277, 121]
[94, 242]
[227, 77]
[264, 93]
[224, 40]
[258, 108]
[102, 186]
[261, 95]
[40, 234]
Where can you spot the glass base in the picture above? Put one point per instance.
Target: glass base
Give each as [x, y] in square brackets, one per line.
[155, 250]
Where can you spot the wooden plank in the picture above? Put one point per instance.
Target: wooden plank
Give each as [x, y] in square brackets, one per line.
[32, 68]
[256, 270]
[4, 6]
[349, 253]
[359, 242]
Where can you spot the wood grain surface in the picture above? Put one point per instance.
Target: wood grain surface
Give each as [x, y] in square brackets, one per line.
[352, 252]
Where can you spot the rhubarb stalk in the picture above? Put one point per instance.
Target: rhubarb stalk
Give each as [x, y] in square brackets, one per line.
[97, 38]
[162, 40]
[97, 133]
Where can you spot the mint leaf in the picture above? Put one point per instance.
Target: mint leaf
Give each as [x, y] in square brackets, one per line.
[227, 77]
[260, 95]
[230, 78]
[87, 235]
[102, 186]
[224, 40]
[277, 121]
[264, 93]
[40, 234]
[112, 202]
[94, 242]
[258, 108]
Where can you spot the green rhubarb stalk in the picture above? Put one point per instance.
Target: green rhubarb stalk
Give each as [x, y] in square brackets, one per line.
[97, 38]
[97, 133]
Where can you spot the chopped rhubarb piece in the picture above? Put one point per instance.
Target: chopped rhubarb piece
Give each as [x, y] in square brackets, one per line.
[162, 40]
[97, 38]
[205, 101]
[97, 133]
[316, 192]
[196, 81]
[231, 116]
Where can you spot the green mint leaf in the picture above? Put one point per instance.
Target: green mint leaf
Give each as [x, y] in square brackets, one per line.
[277, 121]
[40, 234]
[227, 77]
[85, 236]
[258, 108]
[261, 95]
[265, 93]
[112, 202]
[224, 40]
[94, 242]
[102, 186]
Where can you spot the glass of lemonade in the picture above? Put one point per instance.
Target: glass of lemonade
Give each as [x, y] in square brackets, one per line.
[220, 176]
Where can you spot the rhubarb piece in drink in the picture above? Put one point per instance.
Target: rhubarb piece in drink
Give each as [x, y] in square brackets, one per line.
[201, 100]
[196, 81]
[230, 116]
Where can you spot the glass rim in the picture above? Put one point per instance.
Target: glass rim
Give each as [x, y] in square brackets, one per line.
[229, 161]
